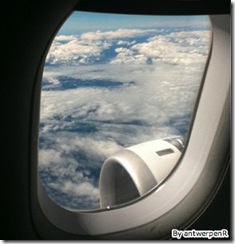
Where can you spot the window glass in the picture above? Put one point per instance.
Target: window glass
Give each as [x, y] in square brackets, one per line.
[111, 82]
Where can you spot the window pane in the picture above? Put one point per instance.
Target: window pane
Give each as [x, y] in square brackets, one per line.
[111, 82]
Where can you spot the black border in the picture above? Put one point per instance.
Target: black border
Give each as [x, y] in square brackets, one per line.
[160, 7]
[27, 27]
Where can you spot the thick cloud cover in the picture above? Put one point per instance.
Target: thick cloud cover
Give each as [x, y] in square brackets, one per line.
[103, 91]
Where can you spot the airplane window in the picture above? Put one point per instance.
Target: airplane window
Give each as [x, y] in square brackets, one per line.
[115, 86]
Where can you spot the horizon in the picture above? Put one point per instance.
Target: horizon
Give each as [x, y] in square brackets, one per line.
[79, 22]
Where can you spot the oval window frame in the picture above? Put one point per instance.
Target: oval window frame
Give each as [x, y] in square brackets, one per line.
[112, 220]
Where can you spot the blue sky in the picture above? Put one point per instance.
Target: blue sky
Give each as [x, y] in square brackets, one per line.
[86, 21]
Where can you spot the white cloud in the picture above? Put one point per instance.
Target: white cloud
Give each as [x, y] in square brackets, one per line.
[117, 34]
[81, 189]
[123, 116]
[172, 48]
[89, 46]
[121, 42]
[63, 38]
[75, 50]
[72, 188]
[125, 55]
[81, 127]
[49, 156]
[176, 48]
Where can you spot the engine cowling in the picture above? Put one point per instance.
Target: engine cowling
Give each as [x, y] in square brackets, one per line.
[134, 171]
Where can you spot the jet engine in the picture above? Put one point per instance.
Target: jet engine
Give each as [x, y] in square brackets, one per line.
[134, 171]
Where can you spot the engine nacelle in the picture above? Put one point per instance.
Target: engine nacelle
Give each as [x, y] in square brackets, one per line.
[134, 171]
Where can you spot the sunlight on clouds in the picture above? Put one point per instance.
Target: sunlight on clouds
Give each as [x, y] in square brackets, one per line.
[117, 34]
[141, 84]
[89, 45]
[173, 48]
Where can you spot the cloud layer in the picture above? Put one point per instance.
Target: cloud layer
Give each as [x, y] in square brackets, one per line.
[103, 91]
